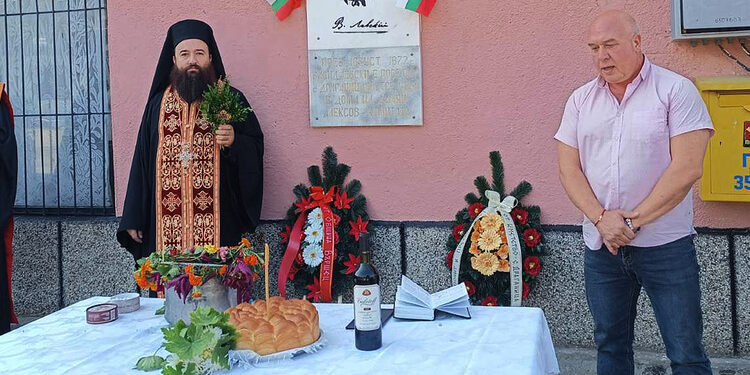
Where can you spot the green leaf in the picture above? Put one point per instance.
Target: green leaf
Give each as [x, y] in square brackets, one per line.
[176, 342]
[181, 368]
[330, 163]
[209, 336]
[301, 191]
[522, 190]
[192, 346]
[462, 216]
[150, 363]
[161, 310]
[179, 346]
[342, 170]
[291, 214]
[176, 328]
[353, 188]
[359, 205]
[230, 335]
[471, 198]
[163, 269]
[313, 174]
[534, 214]
[176, 370]
[192, 369]
[482, 185]
[204, 316]
[174, 271]
[498, 173]
[220, 356]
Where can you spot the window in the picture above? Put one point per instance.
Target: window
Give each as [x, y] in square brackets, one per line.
[55, 67]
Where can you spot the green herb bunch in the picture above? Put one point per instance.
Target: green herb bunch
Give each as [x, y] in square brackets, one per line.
[221, 105]
[199, 348]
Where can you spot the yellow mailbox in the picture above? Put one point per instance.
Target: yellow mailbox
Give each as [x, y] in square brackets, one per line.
[726, 168]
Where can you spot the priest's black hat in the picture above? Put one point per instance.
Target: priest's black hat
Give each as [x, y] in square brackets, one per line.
[183, 30]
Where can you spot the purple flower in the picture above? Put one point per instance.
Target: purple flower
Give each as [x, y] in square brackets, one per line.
[206, 258]
[223, 253]
[159, 283]
[239, 277]
[181, 285]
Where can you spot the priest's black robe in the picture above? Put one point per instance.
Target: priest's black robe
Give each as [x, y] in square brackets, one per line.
[240, 186]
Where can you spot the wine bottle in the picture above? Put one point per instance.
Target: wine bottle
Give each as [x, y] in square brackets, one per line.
[367, 328]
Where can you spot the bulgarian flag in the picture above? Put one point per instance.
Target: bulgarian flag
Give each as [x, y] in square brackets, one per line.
[284, 8]
[420, 6]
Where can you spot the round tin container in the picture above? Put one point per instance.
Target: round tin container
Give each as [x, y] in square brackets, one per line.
[101, 313]
[126, 302]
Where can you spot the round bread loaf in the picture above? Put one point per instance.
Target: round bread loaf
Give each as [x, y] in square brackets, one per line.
[286, 324]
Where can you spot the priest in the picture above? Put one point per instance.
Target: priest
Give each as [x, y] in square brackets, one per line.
[188, 185]
[8, 175]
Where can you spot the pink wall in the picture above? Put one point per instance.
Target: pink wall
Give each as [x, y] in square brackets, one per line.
[496, 76]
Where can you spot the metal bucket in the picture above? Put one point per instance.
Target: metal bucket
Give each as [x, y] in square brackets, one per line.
[215, 295]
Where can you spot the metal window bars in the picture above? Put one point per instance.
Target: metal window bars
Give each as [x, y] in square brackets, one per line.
[57, 76]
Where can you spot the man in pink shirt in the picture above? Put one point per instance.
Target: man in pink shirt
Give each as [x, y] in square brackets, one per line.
[630, 146]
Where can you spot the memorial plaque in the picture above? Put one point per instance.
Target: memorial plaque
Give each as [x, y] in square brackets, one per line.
[365, 63]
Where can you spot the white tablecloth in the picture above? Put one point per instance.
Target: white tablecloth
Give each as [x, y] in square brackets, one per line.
[496, 340]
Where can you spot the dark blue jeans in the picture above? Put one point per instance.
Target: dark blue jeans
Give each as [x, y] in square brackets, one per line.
[669, 274]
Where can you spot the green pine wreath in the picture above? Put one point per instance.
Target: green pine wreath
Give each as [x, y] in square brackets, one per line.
[350, 217]
[494, 290]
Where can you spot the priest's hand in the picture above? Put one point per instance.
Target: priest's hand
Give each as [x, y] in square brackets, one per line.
[136, 235]
[225, 135]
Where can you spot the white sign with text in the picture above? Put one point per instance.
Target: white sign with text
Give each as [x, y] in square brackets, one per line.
[335, 24]
[365, 65]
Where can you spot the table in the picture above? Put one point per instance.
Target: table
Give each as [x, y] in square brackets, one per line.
[496, 340]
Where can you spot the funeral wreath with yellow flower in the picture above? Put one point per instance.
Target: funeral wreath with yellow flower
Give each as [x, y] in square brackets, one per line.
[485, 258]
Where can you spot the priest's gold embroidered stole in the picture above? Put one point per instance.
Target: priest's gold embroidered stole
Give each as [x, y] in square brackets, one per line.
[187, 177]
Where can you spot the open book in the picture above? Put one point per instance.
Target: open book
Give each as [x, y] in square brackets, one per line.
[413, 302]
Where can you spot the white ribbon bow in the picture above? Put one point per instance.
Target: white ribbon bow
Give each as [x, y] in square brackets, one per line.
[495, 204]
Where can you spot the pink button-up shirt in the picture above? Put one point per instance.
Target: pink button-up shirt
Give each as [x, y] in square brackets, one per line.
[624, 147]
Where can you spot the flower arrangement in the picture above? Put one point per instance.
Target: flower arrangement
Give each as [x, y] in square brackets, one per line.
[323, 230]
[485, 236]
[186, 271]
[221, 105]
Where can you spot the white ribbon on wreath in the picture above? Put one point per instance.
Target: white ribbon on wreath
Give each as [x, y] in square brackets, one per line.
[503, 208]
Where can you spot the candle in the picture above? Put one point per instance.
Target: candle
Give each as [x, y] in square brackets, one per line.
[265, 264]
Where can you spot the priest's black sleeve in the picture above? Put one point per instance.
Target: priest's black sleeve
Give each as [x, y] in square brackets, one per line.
[138, 210]
[245, 158]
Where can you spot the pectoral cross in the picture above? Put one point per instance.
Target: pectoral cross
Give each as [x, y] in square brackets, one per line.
[186, 156]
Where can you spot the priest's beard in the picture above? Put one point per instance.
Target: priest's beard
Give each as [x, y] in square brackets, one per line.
[191, 85]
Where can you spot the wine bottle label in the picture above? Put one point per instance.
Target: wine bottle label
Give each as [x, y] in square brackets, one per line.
[367, 307]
